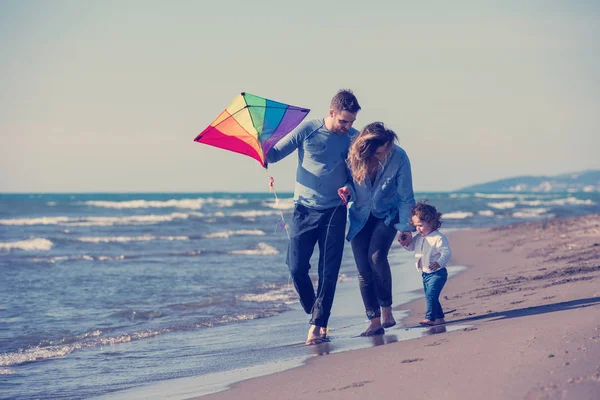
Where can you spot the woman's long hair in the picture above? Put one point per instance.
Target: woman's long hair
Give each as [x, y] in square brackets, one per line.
[364, 147]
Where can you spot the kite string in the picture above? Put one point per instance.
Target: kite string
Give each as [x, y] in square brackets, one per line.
[283, 224]
[277, 207]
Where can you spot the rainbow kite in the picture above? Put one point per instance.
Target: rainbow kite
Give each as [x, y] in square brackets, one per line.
[251, 125]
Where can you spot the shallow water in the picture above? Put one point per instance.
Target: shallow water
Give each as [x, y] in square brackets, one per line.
[106, 292]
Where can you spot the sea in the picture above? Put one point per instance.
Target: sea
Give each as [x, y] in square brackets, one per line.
[175, 295]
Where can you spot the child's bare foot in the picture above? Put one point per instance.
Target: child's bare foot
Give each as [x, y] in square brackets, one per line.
[426, 322]
[387, 317]
[314, 335]
[439, 321]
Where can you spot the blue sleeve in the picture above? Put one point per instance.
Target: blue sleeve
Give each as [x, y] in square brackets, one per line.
[407, 197]
[288, 144]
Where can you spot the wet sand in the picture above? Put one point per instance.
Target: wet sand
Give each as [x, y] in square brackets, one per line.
[530, 304]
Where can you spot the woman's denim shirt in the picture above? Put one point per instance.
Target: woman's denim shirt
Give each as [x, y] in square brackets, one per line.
[391, 194]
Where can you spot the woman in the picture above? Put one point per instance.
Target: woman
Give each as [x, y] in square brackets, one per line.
[380, 204]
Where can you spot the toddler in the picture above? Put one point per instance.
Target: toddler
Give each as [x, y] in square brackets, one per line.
[432, 254]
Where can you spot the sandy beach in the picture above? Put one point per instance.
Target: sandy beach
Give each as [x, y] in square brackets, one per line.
[530, 301]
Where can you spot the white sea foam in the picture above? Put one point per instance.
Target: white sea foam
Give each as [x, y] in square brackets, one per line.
[191, 204]
[27, 245]
[486, 213]
[262, 249]
[560, 202]
[285, 204]
[36, 221]
[531, 213]
[496, 196]
[96, 221]
[459, 195]
[227, 234]
[251, 214]
[287, 295]
[108, 258]
[86, 257]
[457, 215]
[124, 239]
[42, 353]
[503, 205]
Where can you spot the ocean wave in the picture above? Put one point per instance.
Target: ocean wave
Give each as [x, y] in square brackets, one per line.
[227, 234]
[249, 214]
[486, 213]
[532, 213]
[262, 249]
[457, 215]
[125, 239]
[27, 245]
[41, 352]
[287, 204]
[58, 259]
[573, 201]
[496, 196]
[192, 204]
[94, 338]
[503, 205]
[285, 295]
[96, 221]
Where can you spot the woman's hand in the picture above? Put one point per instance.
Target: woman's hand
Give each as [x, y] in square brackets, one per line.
[344, 193]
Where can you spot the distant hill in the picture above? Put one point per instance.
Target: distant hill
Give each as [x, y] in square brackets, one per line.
[584, 181]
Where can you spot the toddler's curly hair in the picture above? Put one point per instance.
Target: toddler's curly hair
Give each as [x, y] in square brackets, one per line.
[427, 213]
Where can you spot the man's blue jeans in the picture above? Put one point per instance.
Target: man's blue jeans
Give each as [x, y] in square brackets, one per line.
[433, 283]
[309, 227]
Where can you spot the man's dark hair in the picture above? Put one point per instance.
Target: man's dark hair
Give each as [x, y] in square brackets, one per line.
[345, 100]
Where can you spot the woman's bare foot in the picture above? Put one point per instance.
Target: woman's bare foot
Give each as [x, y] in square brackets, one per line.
[374, 328]
[439, 321]
[314, 335]
[387, 317]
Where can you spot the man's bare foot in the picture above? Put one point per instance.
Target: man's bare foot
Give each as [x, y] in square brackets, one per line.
[426, 322]
[439, 321]
[387, 317]
[314, 335]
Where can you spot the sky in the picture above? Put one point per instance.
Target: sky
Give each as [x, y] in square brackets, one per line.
[107, 96]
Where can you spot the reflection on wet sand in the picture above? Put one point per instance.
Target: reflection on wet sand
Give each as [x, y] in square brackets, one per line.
[434, 330]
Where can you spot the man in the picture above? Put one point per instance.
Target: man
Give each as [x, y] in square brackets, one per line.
[319, 214]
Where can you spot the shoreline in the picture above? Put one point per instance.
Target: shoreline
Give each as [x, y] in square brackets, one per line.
[531, 298]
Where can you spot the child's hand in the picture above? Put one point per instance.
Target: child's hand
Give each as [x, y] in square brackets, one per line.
[434, 266]
[405, 238]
